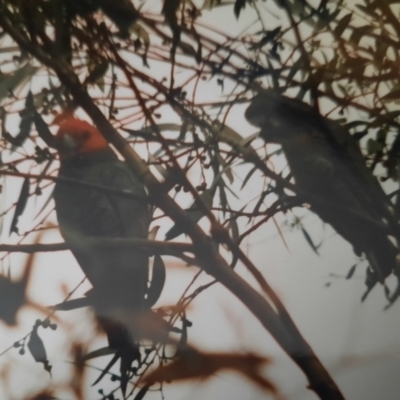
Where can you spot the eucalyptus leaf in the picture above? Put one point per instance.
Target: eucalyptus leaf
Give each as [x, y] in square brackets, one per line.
[10, 82]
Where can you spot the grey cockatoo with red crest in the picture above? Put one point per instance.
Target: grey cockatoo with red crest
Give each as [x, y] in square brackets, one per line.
[330, 173]
[119, 276]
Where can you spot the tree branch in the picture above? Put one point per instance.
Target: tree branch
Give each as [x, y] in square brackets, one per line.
[151, 247]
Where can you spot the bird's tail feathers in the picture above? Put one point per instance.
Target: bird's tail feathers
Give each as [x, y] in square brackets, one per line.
[127, 350]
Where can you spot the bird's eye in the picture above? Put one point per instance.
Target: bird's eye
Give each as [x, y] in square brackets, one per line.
[67, 142]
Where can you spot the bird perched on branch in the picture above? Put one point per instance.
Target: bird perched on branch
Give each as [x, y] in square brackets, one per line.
[331, 175]
[119, 277]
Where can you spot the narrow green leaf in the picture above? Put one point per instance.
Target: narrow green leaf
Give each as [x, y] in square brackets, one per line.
[226, 169]
[117, 355]
[248, 176]
[342, 25]
[247, 140]
[20, 206]
[309, 240]
[44, 131]
[72, 304]
[371, 279]
[238, 7]
[351, 271]
[103, 351]
[26, 122]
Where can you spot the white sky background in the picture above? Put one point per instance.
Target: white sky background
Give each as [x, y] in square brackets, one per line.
[358, 343]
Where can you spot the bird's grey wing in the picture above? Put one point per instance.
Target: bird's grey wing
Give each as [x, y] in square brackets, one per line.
[359, 177]
[119, 276]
